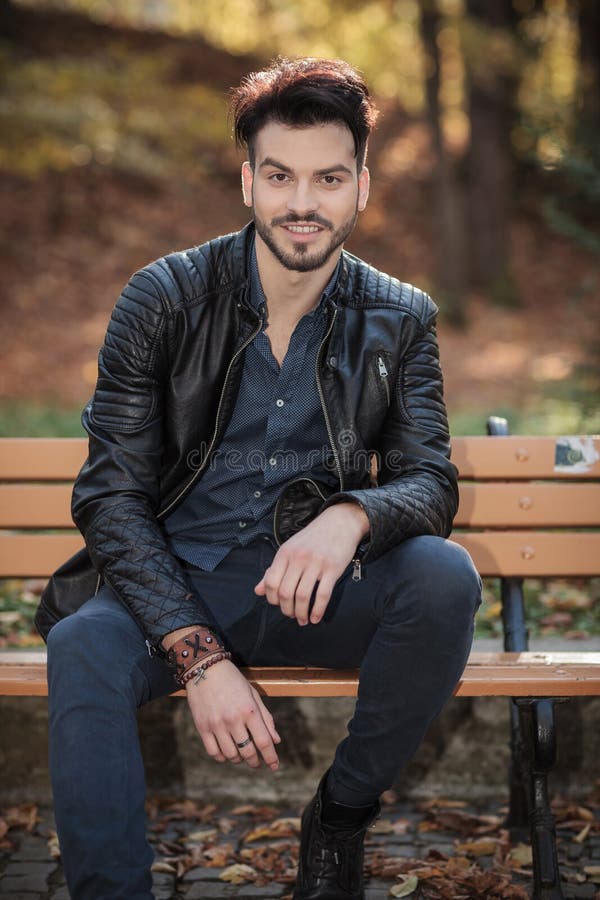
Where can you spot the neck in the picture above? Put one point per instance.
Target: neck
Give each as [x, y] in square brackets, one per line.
[291, 294]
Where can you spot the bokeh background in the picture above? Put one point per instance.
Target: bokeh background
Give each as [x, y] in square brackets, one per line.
[115, 147]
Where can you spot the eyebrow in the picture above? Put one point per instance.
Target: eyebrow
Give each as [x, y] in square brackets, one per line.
[330, 170]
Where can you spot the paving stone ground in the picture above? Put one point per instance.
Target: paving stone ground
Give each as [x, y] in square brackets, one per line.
[30, 871]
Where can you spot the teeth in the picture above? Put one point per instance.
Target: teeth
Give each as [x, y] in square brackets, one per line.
[302, 229]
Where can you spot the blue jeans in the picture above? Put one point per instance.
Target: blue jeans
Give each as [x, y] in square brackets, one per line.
[408, 625]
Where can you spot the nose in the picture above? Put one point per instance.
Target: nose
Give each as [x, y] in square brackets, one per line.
[303, 198]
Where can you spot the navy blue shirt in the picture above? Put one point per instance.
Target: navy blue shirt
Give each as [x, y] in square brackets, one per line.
[277, 432]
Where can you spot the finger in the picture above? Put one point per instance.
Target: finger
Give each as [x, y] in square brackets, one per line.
[304, 592]
[263, 742]
[286, 592]
[267, 718]
[228, 748]
[273, 577]
[248, 751]
[322, 598]
[211, 747]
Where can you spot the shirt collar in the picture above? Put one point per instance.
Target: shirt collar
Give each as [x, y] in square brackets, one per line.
[257, 296]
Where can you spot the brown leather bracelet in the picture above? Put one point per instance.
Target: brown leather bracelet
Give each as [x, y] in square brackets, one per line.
[197, 673]
[192, 648]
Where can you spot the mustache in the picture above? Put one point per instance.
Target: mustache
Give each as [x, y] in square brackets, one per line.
[310, 219]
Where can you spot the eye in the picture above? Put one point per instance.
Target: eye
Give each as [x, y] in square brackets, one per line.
[279, 178]
[331, 180]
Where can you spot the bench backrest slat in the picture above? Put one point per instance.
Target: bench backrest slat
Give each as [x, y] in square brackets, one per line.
[509, 553]
[35, 459]
[482, 505]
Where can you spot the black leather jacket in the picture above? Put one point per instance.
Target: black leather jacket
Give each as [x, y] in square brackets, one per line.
[169, 372]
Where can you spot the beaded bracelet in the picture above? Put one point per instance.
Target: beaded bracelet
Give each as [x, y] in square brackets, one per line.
[199, 672]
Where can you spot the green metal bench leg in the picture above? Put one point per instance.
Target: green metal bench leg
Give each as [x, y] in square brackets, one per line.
[538, 730]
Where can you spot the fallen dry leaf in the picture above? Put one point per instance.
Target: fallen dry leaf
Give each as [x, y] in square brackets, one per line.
[238, 873]
[161, 866]
[53, 845]
[482, 847]
[208, 834]
[25, 815]
[218, 856]
[580, 838]
[520, 855]
[406, 887]
[287, 827]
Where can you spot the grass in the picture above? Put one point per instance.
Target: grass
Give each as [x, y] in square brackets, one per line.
[33, 420]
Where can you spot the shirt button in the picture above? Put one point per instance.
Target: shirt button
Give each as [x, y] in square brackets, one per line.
[243, 524]
[272, 461]
[257, 494]
[279, 402]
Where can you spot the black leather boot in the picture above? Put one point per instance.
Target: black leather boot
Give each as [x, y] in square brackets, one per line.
[331, 849]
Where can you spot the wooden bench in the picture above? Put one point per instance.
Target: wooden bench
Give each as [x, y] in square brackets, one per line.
[530, 507]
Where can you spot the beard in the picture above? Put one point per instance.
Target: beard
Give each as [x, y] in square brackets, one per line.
[301, 259]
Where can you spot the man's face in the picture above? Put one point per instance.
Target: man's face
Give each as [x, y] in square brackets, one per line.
[305, 191]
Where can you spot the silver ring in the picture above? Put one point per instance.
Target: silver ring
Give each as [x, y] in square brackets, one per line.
[244, 743]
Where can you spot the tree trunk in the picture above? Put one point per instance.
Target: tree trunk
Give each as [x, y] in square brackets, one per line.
[492, 83]
[448, 201]
[589, 59]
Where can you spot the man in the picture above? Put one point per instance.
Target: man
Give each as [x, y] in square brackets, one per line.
[228, 504]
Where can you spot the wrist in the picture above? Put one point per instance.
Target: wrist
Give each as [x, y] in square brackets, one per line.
[355, 518]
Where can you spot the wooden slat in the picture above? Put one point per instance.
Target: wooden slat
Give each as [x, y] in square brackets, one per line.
[35, 506]
[35, 555]
[487, 674]
[487, 504]
[59, 459]
[533, 553]
[494, 553]
[528, 505]
[41, 459]
[516, 457]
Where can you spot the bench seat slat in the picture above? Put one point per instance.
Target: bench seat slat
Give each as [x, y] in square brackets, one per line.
[487, 674]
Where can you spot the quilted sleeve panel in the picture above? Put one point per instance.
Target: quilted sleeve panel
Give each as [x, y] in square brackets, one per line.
[116, 495]
[417, 491]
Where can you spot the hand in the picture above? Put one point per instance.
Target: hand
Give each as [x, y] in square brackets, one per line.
[226, 710]
[318, 553]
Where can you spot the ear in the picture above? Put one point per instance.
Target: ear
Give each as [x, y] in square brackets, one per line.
[364, 181]
[247, 179]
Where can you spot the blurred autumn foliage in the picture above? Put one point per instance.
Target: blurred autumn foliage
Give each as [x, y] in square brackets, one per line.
[116, 149]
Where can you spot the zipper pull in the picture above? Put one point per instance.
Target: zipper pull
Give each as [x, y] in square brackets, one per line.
[150, 648]
[382, 369]
[357, 570]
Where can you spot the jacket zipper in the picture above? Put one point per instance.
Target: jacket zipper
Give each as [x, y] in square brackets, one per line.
[383, 374]
[322, 398]
[198, 472]
[356, 569]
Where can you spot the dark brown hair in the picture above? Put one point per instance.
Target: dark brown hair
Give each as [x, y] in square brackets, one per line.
[301, 93]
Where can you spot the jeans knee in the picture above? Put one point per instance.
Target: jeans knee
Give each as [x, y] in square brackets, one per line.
[444, 577]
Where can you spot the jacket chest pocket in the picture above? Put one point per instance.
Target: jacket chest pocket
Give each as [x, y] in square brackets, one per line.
[379, 381]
